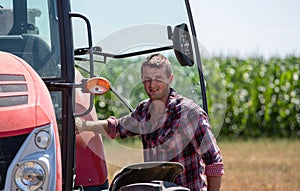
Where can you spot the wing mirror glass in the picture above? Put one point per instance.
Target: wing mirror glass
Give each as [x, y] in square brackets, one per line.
[182, 45]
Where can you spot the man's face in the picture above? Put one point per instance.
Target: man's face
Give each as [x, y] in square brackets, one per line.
[156, 83]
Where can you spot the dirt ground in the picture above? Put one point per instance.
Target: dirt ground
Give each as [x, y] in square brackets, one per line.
[249, 165]
[261, 165]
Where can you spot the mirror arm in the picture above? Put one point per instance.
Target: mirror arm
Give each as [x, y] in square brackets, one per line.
[83, 51]
[133, 53]
[122, 99]
[130, 108]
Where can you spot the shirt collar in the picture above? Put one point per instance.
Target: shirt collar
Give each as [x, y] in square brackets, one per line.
[171, 103]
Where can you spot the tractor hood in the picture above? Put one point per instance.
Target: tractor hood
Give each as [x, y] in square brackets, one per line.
[25, 102]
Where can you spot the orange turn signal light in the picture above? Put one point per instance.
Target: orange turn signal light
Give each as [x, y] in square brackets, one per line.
[98, 85]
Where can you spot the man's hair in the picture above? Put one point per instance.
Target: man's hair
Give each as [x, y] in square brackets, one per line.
[157, 61]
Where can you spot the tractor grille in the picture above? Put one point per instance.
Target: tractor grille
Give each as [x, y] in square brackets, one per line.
[9, 146]
[13, 90]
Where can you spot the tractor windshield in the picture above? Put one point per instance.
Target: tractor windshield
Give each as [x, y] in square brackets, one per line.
[29, 29]
[124, 34]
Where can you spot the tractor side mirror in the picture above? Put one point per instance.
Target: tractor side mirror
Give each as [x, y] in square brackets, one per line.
[182, 45]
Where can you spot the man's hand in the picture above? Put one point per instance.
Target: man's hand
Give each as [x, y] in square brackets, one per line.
[99, 126]
[214, 183]
[79, 125]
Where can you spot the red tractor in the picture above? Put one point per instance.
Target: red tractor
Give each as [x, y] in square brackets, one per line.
[48, 58]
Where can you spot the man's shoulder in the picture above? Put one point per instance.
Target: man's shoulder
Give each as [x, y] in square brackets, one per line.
[187, 102]
[190, 105]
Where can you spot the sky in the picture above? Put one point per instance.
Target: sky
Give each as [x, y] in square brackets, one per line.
[244, 28]
[229, 27]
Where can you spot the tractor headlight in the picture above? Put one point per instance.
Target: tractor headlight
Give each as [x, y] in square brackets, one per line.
[30, 176]
[42, 139]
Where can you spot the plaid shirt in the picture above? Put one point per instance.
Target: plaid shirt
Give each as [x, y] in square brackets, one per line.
[182, 135]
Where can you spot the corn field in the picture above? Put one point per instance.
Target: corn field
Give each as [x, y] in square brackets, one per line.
[262, 97]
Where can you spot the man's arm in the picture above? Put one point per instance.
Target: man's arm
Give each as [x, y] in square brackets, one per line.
[210, 152]
[99, 126]
[214, 183]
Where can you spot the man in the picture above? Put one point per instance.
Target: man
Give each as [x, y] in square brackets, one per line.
[172, 127]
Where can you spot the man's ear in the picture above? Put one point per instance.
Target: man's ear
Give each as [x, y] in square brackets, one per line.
[171, 77]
